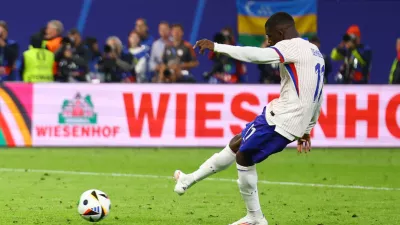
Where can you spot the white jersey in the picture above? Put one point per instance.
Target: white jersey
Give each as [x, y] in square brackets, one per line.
[302, 66]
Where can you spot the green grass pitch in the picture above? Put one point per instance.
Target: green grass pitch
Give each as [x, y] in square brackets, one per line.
[39, 186]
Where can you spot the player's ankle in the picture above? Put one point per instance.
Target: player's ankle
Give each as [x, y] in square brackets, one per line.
[255, 215]
[190, 179]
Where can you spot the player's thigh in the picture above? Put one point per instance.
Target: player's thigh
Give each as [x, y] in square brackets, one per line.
[276, 143]
[255, 134]
[259, 141]
[254, 137]
[244, 159]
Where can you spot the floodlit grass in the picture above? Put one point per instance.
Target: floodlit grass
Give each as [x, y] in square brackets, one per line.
[50, 197]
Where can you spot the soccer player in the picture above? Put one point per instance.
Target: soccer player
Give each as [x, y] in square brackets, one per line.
[282, 121]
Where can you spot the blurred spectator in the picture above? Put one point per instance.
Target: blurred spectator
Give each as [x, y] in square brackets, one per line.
[8, 54]
[77, 43]
[116, 63]
[94, 53]
[37, 63]
[179, 57]
[41, 35]
[143, 30]
[394, 77]
[225, 68]
[269, 73]
[72, 58]
[356, 58]
[158, 47]
[328, 64]
[140, 57]
[228, 32]
[53, 36]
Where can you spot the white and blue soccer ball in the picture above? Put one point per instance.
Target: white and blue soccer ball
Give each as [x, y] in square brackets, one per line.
[94, 205]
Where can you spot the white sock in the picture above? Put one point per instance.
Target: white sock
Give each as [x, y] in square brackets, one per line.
[216, 163]
[248, 188]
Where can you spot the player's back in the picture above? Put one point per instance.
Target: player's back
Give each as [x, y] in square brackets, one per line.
[302, 70]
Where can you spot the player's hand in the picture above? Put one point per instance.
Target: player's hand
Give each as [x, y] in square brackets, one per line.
[203, 45]
[304, 143]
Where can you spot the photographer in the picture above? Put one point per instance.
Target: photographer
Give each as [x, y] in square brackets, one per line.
[225, 70]
[8, 54]
[95, 55]
[72, 58]
[178, 58]
[116, 64]
[356, 58]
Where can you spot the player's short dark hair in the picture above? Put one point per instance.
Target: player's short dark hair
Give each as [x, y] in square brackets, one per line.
[177, 25]
[279, 18]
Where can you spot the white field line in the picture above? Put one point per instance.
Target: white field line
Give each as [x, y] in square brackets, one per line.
[14, 170]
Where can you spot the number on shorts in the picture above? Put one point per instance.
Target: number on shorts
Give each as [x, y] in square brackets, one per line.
[251, 129]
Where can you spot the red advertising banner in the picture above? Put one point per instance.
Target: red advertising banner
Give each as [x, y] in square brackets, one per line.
[201, 115]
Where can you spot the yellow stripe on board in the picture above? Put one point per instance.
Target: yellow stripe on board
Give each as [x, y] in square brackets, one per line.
[18, 117]
[255, 25]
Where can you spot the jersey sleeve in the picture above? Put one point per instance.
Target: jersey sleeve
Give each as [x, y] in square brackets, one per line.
[287, 50]
[248, 54]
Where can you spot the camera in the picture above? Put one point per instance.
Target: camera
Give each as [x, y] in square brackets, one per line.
[167, 73]
[220, 38]
[349, 38]
[66, 41]
[108, 49]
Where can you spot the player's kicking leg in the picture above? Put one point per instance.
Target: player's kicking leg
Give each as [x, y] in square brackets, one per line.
[216, 163]
[259, 141]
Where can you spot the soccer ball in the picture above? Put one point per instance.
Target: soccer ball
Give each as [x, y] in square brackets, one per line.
[94, 205]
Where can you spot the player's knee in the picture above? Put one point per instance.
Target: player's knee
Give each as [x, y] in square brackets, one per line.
[244, 159]
[235, 142]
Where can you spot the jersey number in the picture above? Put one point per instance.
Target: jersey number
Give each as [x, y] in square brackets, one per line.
[320, 73]
[251, 129]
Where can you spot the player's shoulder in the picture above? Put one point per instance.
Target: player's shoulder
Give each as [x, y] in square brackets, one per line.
[294, 42]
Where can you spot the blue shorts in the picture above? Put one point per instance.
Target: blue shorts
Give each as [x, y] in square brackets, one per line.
[260, 140]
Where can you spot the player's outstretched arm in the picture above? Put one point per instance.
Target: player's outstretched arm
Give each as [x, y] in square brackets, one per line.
[246, 54]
